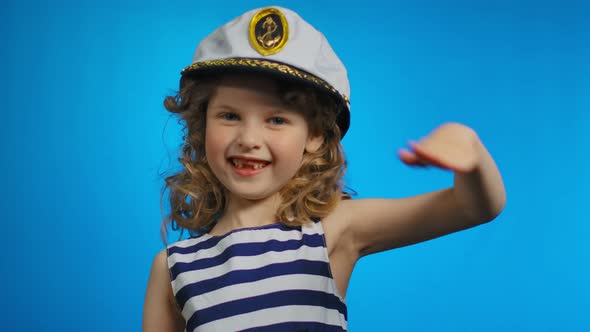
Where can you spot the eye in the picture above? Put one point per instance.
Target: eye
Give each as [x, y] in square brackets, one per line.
[277, 120]
[229, 116]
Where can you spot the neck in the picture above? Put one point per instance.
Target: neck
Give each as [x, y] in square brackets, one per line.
[244, 213]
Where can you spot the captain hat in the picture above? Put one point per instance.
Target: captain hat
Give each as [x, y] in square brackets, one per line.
[277, 41]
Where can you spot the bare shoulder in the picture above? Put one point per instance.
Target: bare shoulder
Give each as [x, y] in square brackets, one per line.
[160, 311]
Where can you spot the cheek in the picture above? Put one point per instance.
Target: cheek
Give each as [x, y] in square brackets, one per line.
[214, 143]
[292, 151]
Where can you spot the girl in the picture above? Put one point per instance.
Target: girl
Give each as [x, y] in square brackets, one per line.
[274, 236]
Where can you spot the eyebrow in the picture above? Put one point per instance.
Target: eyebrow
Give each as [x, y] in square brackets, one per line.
[223, 106]
[272, 109]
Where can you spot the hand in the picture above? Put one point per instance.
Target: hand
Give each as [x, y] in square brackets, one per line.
[451, 146]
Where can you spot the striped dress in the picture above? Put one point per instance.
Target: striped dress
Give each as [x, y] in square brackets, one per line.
[268, 278]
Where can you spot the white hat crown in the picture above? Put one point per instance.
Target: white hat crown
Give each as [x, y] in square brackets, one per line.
[275, 39]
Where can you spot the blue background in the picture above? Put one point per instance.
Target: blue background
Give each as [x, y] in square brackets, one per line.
[85, 139]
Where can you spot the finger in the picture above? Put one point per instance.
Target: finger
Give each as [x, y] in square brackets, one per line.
[410, 158]
[423, 154]
[432, 155]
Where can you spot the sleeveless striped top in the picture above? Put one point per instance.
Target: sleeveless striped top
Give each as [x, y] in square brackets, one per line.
[267, 278]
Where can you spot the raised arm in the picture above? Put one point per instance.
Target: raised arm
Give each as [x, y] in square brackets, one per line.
[160, 312]
[478, 196]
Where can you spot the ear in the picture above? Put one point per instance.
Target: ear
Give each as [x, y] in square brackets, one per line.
[314, 143]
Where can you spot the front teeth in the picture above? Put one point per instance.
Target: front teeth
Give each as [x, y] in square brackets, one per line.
[237, 163]
[242, 164]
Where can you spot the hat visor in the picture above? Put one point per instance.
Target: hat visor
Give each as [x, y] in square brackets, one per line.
[277, 69]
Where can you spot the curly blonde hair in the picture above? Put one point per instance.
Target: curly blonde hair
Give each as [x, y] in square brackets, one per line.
[197, 198]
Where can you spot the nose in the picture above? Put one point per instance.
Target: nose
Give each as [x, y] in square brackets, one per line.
[249, 137]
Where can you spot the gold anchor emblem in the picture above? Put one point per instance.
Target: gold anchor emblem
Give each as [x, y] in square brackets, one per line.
[268, 32]
[267, 39]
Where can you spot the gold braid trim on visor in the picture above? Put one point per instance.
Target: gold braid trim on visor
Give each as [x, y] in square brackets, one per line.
[255, 63]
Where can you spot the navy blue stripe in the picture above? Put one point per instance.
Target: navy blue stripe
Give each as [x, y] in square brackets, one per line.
[241, 276]
[212, 242]
[247, 249]
[297, 327]
[272, 300]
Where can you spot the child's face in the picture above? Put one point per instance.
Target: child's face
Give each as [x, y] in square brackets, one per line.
[254, 143]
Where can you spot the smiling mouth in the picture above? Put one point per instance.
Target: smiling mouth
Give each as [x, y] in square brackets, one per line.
[248, 164]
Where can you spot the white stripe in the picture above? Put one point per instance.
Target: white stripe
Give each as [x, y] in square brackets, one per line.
[235, 238]
[188, 242]
[293, 313]
[313, 228]
[260, 287]
[249, 263]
